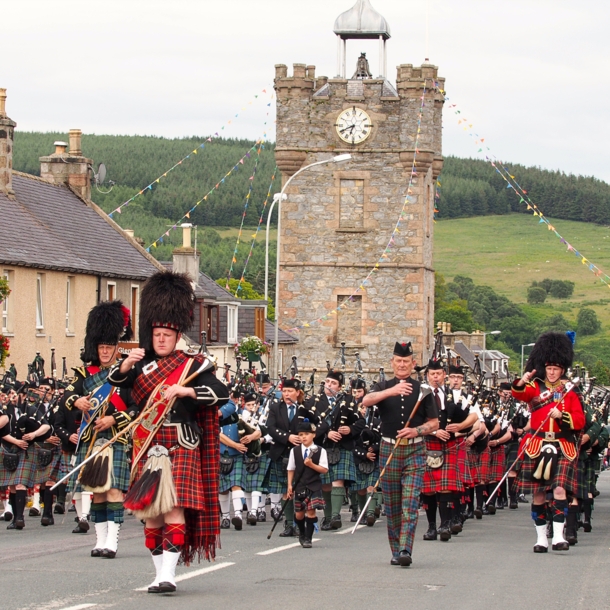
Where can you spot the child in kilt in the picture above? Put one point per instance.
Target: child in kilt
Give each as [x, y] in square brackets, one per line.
[305, 465]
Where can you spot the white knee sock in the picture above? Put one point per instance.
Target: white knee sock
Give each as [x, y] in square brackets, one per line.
[238, 504]
[257, 498]
[225, 504]
[77, 500]
[248, 495]
[86, 503]
[158, 561]
[36, 500]
[168, 567]
[275, 499]
[112, 540]
[101, 533]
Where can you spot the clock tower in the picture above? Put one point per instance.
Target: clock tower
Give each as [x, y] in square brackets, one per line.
[339, 218]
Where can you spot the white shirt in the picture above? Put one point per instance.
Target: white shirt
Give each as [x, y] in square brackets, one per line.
[323, 457]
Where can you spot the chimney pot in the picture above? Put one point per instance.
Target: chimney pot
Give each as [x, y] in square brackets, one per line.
[75, 142]
[60, 147]
[2, 103]
[186, 234]
[7, 128]
[129, 232]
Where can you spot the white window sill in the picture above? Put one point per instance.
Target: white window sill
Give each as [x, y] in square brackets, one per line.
[7, 334]
[39, 334]
[70, 334]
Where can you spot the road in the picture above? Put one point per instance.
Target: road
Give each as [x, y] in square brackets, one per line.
[491, 564]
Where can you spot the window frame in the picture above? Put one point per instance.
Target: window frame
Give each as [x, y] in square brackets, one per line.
[40, 277]
[232, 324]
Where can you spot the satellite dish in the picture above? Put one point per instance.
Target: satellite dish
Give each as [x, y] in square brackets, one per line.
[101, 174]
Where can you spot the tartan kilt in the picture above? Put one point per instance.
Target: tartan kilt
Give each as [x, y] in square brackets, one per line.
[565, 476]
[479, 466]
[449, 476]
[365, 480]
[343, 470]
[511, 453]
[234, 478]
[464, 464]
[25, 474]
[581, 479]
[256, 481]
[120, 467]
[590, 472]
[496, 463]
[276, 480]
[311, 500]
[52, 472]
[186, 469]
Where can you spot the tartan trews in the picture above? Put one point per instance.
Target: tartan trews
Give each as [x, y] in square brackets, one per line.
[401, 485]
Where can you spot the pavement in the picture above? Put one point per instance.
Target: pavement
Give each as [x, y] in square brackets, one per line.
[490, 564]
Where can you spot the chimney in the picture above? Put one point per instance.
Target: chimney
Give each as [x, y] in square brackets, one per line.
[7, 128]
[129, 232]
[186, 258]
[69, 168]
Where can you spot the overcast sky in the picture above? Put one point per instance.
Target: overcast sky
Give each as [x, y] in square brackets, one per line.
[530, 75]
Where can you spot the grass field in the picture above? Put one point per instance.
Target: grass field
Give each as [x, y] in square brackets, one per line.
[509, 252]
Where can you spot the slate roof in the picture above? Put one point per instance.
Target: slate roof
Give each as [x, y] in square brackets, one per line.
[48, 226]
[282, 335]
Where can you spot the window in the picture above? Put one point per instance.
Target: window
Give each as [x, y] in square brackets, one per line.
[259, 323]
[349, 320]
[210, 322]
[135, 301]
[7, 308]
[110, 291]
[40, 301]
[494, 366]
[351, 215]
[231, 323]
[70, 305]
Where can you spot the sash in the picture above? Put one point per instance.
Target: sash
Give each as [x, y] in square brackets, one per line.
[96, 378]
[159, 407]
[98, 399]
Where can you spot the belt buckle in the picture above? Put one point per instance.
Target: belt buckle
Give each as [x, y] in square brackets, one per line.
[549, 436]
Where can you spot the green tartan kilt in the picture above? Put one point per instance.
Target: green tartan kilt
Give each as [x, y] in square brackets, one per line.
[120, 468]
[343, 470]
[589, 475]
[276, 481]
[511, 452]
[52, 472]
[25, 474]
[365, 480]
[234, 478]
[581, 479]
[256, 481]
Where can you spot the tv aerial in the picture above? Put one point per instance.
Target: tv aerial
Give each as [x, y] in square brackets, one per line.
[99, 177]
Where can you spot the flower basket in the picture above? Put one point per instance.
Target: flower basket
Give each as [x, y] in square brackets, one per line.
[4, 349]
[251, 348]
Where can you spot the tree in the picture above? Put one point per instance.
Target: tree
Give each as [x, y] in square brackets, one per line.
[587, 322]
[440, 290]
[457, 314]
[601, 373]
[556, 323]
[561, 289]
[535, 295]
[247, 292]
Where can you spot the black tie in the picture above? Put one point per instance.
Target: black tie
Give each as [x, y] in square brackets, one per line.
[438, 400]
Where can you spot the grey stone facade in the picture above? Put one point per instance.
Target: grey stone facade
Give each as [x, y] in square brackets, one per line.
[338, 218]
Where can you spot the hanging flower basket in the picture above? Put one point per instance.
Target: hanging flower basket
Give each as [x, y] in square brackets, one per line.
[4, 349]
[251, 348]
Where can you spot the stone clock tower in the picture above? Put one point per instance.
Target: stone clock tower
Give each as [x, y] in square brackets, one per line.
[338, 217]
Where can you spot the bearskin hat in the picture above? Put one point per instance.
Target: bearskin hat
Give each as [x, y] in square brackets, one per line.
[108, 323]
[167, 301]
[551, 349]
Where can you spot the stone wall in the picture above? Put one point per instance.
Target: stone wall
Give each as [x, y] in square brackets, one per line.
[325, 253]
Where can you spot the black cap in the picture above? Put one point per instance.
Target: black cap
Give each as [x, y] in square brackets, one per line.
[456, 370]
[336, 375]
[403, 349]
[358, 384]
[292, 383]
[435, 365]
[263, 378]
[306, 426]
[250, 397]
[505, 385]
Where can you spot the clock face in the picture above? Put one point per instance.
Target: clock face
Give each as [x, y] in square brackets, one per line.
[353, 125]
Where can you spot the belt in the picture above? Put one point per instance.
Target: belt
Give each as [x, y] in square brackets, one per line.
[555, 436]
[405, 441]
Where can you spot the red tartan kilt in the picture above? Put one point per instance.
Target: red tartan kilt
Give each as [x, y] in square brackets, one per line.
[464, 464]
[565, 476]
[186, 469]
[449, 476]
[496, 463]
[479, 466]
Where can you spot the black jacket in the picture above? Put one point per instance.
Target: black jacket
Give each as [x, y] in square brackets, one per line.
[279, 427]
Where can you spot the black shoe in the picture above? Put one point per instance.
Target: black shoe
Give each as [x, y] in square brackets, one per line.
[305, 542]
[19, 523]
[325, 526]
[96, 552]
[571, 536]
[59, 509]
[166, 587]
[561, 546]
[469, 514]
[72, 509]
[47, 520]
[404, 559]
[444, 531]
[479, 512]
[522, 499]
[261, 515]
[456, 525]
[500, 504]
[378, 512]
[11, 526]
[486, 510]
[586, 526]
[8, 515]
[237, 523]
[335, 522]
[34, 512]
[491, 509]
[154, 589]
[513, 505]
[251, 518]
[394, 561]
[431, 533]
[541, 549]
[288, 532]
[370, 519]
[108, 554]
[355, 516]
[82, 526]
[225, 524]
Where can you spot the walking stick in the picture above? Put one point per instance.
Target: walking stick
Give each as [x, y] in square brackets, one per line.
[527, 442]
[125, 430]
[279, 517]
[423, 392]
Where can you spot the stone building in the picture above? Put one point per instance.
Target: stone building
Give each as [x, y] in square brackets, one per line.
[338, 218]
[60, 253]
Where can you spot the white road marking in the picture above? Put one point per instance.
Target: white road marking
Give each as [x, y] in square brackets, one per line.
[192, 574]
[348, 530]
[79, 607]
[285, 547]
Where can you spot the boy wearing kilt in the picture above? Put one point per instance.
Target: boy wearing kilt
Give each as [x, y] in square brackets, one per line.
[23, 425]
[403, 478]
[104, 411]
[176, 436]
[549, 460]
[305, 465]
[231, 465]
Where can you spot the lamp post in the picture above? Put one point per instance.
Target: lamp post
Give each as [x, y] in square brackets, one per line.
[493, 332]
[278, 198]
[523, 346]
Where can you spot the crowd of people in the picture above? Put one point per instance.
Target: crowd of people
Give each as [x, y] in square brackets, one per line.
[159, 435]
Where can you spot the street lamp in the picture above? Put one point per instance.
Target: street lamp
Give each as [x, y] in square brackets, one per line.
[278, 198]
[493, 332]
[525, 345]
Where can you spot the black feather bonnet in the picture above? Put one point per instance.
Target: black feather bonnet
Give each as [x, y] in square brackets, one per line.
[551, 349]
[107, 323]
